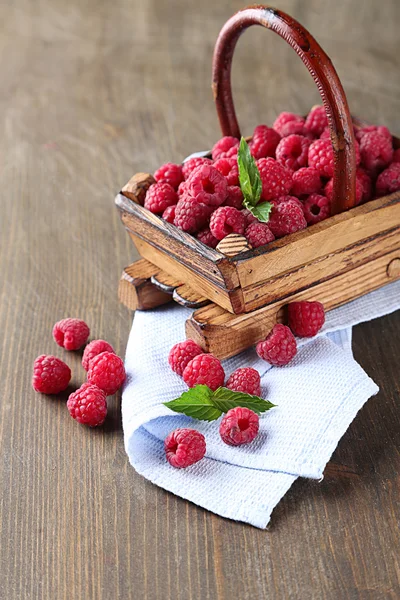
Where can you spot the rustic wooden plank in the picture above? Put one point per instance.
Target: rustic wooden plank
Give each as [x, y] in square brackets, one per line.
[165, 282]
[185, 296]
[135, 289]
[137, 187]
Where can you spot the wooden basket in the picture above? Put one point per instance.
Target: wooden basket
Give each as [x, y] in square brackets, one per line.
[242, 292]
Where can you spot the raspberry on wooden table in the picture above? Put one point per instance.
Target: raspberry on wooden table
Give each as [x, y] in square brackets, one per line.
[306, 318]
[207, 238]
[389, 180]
[246, 380]
[258, 234]
[234, 197]
[226, 220]
[107, 371]
[275, 178]
[208, 186]
[181, 354]
[88, 405]
[264, 142]
[93, 349]
[279, 347]
[204, 369]
[288, 123]
[169, 173]
[71, 334]
[225, 147]
[239, 426]
[169, 214]
[316, 208]
[316, 120]
[286, 217]
[184, 447]
[50, 375]
[194, 163]
[159, 196]
[190, 215]
[320, 157]
[306, 181]
[292, 151]
[376, 151]
[228, 167]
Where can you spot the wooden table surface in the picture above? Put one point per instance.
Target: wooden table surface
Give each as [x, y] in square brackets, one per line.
[92, 92]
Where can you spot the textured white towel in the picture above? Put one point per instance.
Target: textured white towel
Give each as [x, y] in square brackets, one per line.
[317, 397]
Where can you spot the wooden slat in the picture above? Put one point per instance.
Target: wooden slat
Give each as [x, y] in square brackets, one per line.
[137, 187]
[185, 296]
[165, 282]
[135, 289]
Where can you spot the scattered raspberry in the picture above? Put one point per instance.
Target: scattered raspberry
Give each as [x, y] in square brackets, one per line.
[93, 349]
[50, 375]
[169, 173]
[169, 214]
[292, 151]
[71, 334]
[381, 129]
[320, 157]
[376, 151]
[234, 198]
[159, 196]
[264, 142]
[276, 179]
[181, 354]
[279, 347]
[258, 234]
[306, 318]
[88, 405]
[228, 167]
[107, 371]
[286, 217]
[288, 123]
[316, 208]
[190, 215]
[250, 218]
[204, 369]
[306, 181]
[194, 163]
[389, 180]
[396, 156]
[207, 238]
[208, 186]
[184, 447]
[226, 220]
[239, 426]
[245, 380]
[225, 147]
[316, 120]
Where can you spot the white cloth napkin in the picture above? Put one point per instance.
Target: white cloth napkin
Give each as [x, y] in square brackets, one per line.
[317, 397]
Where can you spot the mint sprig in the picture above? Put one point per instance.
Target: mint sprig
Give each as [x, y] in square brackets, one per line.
[250, 184]
[202, 403]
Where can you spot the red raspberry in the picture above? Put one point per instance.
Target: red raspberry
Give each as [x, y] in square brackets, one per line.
[389, 180]
[93, 349]
[71, 334]
[264, 142]
[204, 369]
[396, 156]
[207, 238]
[246, 380]
[169, 173]
[288, 123]
[228, 167]
[258, 234]
[292, 151]
[320, 157]
[190, 215]
[208, 186]
[279, 347]
[239, 426]
[182, 189]
[234, 198]
[326, 134]
[184, 447]
[169, 214]
[306, 181]
[306, 318]
[316, 120]
[381, 129]
[376, 151]
[286, 217]
[226, 220]
[159, 196]
[316, 208]
[194, 163]
[50, 375]
[107, 371]
[226, 146]
[281, 199]
[250, 218]
[276, 179]
[88, 405]
[181, 354]
[364, 181]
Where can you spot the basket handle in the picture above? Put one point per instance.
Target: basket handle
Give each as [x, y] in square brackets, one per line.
[323, 73]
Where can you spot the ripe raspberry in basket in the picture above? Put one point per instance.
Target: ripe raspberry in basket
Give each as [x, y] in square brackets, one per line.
[289, 123]
[264, 142]
[226, 220]
[292, 151]
[316, 120]
[207, 186]
[276, 179]
[169, 173]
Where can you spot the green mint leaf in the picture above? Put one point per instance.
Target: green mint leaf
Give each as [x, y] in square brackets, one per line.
[225, 399]
[197, 403]
[261, 211]
[249, 175]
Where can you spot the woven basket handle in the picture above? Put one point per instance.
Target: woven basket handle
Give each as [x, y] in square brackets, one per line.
[323, 73]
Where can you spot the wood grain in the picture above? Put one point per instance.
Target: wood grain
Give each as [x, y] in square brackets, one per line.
[136, 291]
[91, 93]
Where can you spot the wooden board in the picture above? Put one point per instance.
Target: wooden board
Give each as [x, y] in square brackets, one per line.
[135, 289]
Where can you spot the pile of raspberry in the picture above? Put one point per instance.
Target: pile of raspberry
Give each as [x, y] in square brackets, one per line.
[105, 372]
[295, 160]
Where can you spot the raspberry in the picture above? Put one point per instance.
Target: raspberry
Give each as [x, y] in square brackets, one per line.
[181, 354]
[207, 238]
[190, 215]
[182, 188]
[228, 167]
[88, 405]
[194, 163]
[286, 217]
[208, 186]
[292, 151]
[250, 218]
[50, 375]
[71, 334]
[376, 151]
[281, 199]
[364, 181]
[316, 208]
[159, 196]
[169, 173]
[258, 234]
[169, 214]
[381, 129]
[288, 123]
[264, 142]
[204, 369]
[245, 380]
[316, 120]
[239, 426]
[320, 157]
[396, 156]
[184, 447]
[226, 220]
[389, 180]
[306, 181]
[234, 198]
[226, 146]
[276, 179]
[326, 134]
[279, 347]
[93, 349]
[107, 371]
[306, 318]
